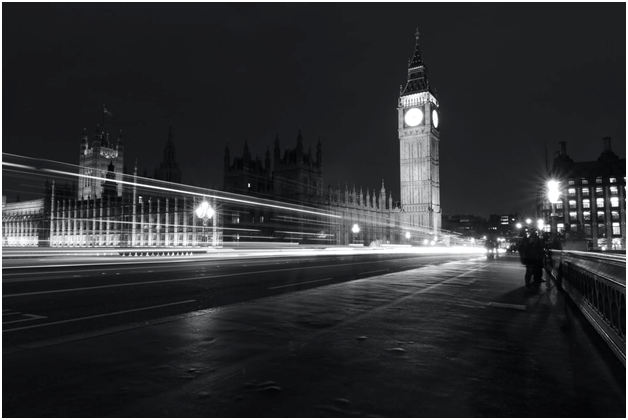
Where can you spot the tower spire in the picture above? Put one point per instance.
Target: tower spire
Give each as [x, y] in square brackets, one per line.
[417, 71]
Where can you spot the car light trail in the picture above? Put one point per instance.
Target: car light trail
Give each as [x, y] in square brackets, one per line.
[167, 189]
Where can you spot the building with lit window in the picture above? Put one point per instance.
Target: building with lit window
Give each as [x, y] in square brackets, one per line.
[295, 177]
[592, 202]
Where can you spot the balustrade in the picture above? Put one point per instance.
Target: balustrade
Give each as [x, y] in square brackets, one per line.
[597, 284]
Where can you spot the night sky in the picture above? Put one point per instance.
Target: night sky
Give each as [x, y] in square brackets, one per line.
[510, 79]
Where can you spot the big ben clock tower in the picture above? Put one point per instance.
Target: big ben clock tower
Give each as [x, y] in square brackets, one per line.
[418, 120]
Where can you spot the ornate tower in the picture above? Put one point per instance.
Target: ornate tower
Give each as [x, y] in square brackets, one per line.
[418, 121]
[169, 169]
[94, 162]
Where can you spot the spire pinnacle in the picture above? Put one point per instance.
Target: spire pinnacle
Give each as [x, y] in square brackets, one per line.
[417, 72]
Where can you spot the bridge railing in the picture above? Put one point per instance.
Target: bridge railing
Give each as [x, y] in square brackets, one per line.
[596, 283]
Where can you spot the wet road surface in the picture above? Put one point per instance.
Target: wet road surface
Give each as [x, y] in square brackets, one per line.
[70, 296]
[460, 339]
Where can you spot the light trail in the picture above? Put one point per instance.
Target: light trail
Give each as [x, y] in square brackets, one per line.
[186, 279]
[172, 190]
[212, 254]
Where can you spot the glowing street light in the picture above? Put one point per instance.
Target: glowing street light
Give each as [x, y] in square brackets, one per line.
[528, 221]
[205, 211]
[355, 229]
[408, 236]
[552, 191]
[540, 224]
[553, 195]
[519, 225]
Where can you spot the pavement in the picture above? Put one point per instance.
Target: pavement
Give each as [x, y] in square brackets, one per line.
[461, 339]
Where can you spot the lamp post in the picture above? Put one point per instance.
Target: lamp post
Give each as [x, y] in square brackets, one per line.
[408, 236]
[205, 212]
[553, 194]
[355, 229]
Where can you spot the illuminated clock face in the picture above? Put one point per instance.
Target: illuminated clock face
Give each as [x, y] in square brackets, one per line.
[413, 117]
[435, 118]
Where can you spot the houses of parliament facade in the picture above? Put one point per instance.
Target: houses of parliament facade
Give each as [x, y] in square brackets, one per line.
[286, 199]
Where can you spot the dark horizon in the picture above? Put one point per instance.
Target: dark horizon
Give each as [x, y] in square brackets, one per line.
[512, 80]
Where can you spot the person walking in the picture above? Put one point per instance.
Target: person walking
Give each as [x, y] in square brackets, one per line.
[531, 254]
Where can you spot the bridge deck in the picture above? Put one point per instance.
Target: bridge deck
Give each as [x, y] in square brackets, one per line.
[456, 340]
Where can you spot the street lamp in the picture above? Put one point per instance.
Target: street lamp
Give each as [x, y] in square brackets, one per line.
[408, 236]
[553, 194]
[355, 229]
[205, 212]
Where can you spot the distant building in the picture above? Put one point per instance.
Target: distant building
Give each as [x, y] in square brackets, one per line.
[296, 177]
[94, 161]
[592, 203]
[168, 170]
[467, 225]
[503, 225]
[108, 209]
[23, 222]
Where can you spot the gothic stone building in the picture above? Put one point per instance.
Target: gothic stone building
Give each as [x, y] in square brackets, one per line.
[592, 202]
[419, 138]
[295, 178]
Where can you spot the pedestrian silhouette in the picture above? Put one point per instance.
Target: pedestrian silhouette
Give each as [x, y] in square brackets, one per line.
[531, 254]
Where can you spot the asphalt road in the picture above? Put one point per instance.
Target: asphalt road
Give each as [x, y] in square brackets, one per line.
[459, 339]
[63, 297]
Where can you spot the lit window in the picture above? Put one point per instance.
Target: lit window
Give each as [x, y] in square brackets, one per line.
[570, 182]
[615, 215]
[616, 228]
[614, 190]
[572, 204]
[585, 192]
[586, 215]
[261, 219]
[599, 202]
[571, 192]
[600, 216]
[612, 180]
[598, 180]
[573, 215]
[599, 191]
[235, 218]
[614, 201]
[586, 203]
[559, 205]
[585, 181]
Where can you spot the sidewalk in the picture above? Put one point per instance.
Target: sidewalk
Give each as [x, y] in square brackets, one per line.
[455, 340]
